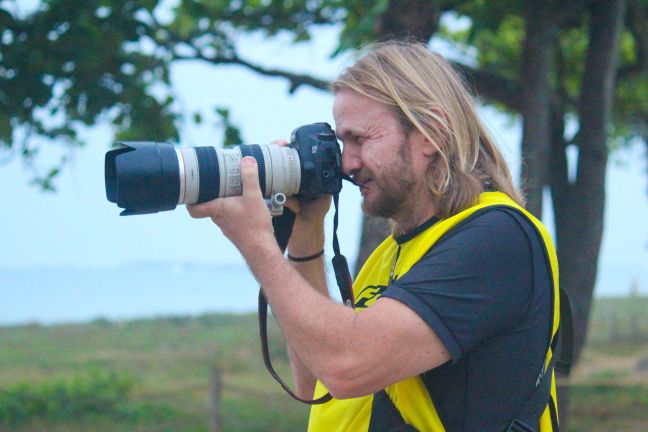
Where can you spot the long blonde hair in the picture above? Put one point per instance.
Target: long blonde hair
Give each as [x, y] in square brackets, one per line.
[427, 94]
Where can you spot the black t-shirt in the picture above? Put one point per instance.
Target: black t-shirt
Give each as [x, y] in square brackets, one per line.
[485, 290]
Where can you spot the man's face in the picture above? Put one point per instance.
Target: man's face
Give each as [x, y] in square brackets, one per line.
[376, 153]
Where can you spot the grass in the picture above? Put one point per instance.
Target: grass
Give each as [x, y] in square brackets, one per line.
[153, 375]
[608, 408]
[166, 364]
[619, 325]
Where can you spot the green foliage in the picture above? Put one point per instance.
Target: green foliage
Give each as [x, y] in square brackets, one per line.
[360, 23]
[630, 113]
[71, 64]
[486, 17]
[231, 134]
[270, 17]
[96, 392]
[497, 31]
[500, 46]
[571, 49]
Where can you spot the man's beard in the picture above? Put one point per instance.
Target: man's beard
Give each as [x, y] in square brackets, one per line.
[395, 190]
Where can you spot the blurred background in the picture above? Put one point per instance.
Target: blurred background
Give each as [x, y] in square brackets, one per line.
[147, 322]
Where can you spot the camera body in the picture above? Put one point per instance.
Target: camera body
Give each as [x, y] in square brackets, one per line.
[149, 177]
[320, 159]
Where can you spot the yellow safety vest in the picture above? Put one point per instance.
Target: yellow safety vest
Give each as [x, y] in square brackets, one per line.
[411, 396]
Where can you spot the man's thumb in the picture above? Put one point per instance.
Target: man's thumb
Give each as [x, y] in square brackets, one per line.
[250, 176]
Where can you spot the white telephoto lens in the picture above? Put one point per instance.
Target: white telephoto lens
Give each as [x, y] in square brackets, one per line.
[279, 171]
[189, 175]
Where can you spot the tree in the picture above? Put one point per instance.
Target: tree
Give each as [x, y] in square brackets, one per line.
[555, 64]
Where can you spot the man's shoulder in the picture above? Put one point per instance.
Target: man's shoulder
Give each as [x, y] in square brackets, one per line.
[496, 231]
[494, 220]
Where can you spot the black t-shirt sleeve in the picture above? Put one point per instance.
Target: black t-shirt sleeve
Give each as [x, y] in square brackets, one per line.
[475, 283]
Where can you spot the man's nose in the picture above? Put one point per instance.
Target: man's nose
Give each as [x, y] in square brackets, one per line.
[350, 161]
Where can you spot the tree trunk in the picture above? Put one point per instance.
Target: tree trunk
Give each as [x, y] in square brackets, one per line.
[579, 206]
[403, 19]
[537, 69]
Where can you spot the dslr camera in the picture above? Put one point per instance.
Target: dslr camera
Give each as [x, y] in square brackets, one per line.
[149, 177]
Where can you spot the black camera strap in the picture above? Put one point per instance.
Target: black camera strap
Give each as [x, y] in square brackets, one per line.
[282, 229]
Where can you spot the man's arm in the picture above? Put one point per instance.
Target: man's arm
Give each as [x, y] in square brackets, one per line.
[304, 241]
[352, 354]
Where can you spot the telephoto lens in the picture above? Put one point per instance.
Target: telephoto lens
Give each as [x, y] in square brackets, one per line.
[149, 177]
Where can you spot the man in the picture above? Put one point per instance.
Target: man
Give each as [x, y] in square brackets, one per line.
[455, 311]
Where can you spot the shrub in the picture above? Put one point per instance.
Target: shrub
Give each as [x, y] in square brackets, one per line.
[93, 392]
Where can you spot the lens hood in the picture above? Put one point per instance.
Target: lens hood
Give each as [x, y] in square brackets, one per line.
[142, 177]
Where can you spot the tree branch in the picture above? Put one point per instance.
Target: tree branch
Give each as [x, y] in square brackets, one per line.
[296, 80]
[231, 58]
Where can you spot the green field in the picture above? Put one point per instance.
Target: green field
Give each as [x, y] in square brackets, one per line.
[154, 375]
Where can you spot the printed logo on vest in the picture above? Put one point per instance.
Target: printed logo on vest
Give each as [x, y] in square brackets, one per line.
[368, 295]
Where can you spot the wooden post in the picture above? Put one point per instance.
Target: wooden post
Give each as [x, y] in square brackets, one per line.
[615, 330]
[215, 391]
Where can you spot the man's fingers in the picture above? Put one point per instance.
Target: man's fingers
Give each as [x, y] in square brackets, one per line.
[203, 210]
[280, 142]
[250, 182]
[292, 204]
[250, 177]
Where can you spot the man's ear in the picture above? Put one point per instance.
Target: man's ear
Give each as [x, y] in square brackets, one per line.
[429, 148]
[425, 146]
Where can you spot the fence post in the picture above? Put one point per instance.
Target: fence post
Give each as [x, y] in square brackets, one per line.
[215, 391]
[634, 313]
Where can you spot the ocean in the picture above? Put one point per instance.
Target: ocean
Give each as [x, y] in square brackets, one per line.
[144, 290]
[58, 295]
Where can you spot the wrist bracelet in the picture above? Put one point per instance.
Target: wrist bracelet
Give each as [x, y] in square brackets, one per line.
[306, 258]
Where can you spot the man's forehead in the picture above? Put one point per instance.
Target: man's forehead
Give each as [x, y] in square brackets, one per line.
[357, 115]
[342, 131]
[350, 110]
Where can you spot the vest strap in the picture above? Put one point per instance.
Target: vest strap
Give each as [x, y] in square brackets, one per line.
[565, 360]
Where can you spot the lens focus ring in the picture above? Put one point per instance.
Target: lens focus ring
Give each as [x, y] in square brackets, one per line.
[255, 151]
[209, 173]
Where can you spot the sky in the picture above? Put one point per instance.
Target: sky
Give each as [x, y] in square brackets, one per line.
[76, 227]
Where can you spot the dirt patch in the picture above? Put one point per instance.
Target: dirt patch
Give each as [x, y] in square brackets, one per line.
[597, 367]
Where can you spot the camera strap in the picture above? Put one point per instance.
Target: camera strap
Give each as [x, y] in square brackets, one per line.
[282, 229]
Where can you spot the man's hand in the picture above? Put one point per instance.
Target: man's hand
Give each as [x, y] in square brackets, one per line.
[245, 219]
[308, 231]
[310, 212]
